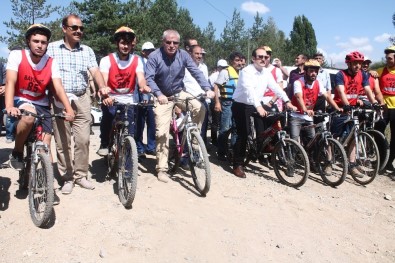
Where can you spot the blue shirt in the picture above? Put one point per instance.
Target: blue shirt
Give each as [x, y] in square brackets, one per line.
[73, 64]
[165, 76]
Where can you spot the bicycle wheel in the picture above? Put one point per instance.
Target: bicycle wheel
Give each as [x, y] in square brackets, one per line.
[199, 164]
[41, 192]
[368, 162]
[127, 172]
[383, 146]
[332, 162]
[229, 146]
[290, 162]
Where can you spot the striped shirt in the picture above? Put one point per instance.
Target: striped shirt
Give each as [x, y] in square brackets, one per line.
[73, 64]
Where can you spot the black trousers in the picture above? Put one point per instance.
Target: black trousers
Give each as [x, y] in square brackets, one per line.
[388, 118]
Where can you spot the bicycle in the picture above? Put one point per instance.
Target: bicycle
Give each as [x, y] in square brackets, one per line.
[373, 114]
[367, 153]
[197, 153]
[122, 158]
[37, 173]
[288, 158]
[327, 154]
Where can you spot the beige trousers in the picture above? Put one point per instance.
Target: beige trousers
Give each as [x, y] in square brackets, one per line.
[73, 166]
[163, 114]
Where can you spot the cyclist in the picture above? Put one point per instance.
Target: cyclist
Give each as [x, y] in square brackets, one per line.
[165, 72]
[121, 70]
[387, 86]
[373, 81]
[30, 73]
[254, 80]
[350, 83]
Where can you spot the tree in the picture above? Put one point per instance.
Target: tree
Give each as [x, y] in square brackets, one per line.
[234, 37]
[392, 39]
[302, 38]
[26, 13]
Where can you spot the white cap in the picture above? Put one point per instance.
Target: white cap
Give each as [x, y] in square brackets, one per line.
[203, 51]
[147, 45]
[367, 59]
[222, 63]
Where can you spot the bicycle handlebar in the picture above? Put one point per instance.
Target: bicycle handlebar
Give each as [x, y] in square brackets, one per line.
[41, 116]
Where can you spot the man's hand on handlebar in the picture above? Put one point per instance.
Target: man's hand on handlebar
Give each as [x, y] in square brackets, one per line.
[12, 111]
[261, 111]
[103, 92]
[109, 101]
[210, 94]
[145, 89]
[69, 116]
[290, 106]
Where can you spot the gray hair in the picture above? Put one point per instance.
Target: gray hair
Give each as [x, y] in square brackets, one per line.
[170, 32]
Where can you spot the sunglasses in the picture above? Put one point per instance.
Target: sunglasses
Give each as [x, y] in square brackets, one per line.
[262, 57]
[170, 42]
[75, 28]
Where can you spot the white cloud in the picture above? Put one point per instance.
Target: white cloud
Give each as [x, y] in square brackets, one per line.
[254, 7]
[382, 38]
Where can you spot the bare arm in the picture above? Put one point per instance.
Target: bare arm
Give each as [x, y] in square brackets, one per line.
[11, 78]
[340, 89]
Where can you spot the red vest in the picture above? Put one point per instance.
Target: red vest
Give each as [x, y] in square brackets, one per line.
[371, 82]
[122, 81]
[387, 83]
[31, 84]
[310, 95]
[269, 92]
[352, 88]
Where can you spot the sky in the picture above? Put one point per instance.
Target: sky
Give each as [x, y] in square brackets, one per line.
[341, 26]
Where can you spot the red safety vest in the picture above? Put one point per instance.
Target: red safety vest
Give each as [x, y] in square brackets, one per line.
[352, 88]
[387, 83]
[310, 96]
[122, 81]
[31, 84]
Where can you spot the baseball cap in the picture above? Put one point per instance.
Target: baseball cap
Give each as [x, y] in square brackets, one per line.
[203, 51]
[147, 46]
[367, 60]
[222, 63]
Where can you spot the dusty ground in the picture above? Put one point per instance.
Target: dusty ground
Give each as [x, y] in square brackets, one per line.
[252, 220]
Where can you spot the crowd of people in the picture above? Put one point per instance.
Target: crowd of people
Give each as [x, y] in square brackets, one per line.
[54, 77]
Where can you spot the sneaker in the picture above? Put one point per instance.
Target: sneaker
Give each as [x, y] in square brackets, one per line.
[163, 177]
[84, 183]
[390, 167]
[67, 187]
[355, 172]
[9, 140]
[16, 161]
[141, 155]
[103, 151]
[221, 157]
[56, 199]
[184, 163]
[153, 152]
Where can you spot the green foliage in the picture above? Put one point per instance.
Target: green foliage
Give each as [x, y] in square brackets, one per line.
[302, 37]
[26, 13]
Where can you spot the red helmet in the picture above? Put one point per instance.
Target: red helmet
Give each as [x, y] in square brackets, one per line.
[354, 56]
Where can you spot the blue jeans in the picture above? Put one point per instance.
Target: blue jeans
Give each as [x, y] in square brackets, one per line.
[203, 131]
[145, 115]
[108, 118]
[226, 123]
[295, 126]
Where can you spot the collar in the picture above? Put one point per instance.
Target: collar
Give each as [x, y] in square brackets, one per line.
[63, 45]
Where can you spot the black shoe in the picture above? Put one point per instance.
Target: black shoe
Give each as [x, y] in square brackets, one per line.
[221, 157]
[141, 156]
[16, 161]
[153, 152]
[56, 199]
[390, 167]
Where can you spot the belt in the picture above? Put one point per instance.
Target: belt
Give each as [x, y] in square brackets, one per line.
[79, 93]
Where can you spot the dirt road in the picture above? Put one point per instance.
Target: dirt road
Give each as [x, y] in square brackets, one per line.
[256, 219]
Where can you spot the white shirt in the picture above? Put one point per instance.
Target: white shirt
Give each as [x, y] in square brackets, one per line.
[324, 77]
[15, 59]
[298, 89]
[190, 83]
[105, 65]
[252, 85]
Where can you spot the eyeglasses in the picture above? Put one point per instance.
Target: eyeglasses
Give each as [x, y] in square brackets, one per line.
[172, 42]
[262, 57]
[75, 28]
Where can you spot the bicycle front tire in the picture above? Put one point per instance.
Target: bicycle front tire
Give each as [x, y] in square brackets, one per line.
[383, 146]
[41, 192]
[199, 164]
[369, 162]
[334, 156]
[290, 162]
[127, 172]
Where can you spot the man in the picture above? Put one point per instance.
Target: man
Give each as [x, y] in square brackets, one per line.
[75, 60]
[215, 115]
[351, 83]
[165, 72]
[224, 88]
[145, 116]
[192, 86]
[254, 80]
[2, 91]
[387, 86]
[189, 43]
[296, 73]
[121, 71]
[29, 74]
[307, 90]
[373, 81]
[325, 80]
